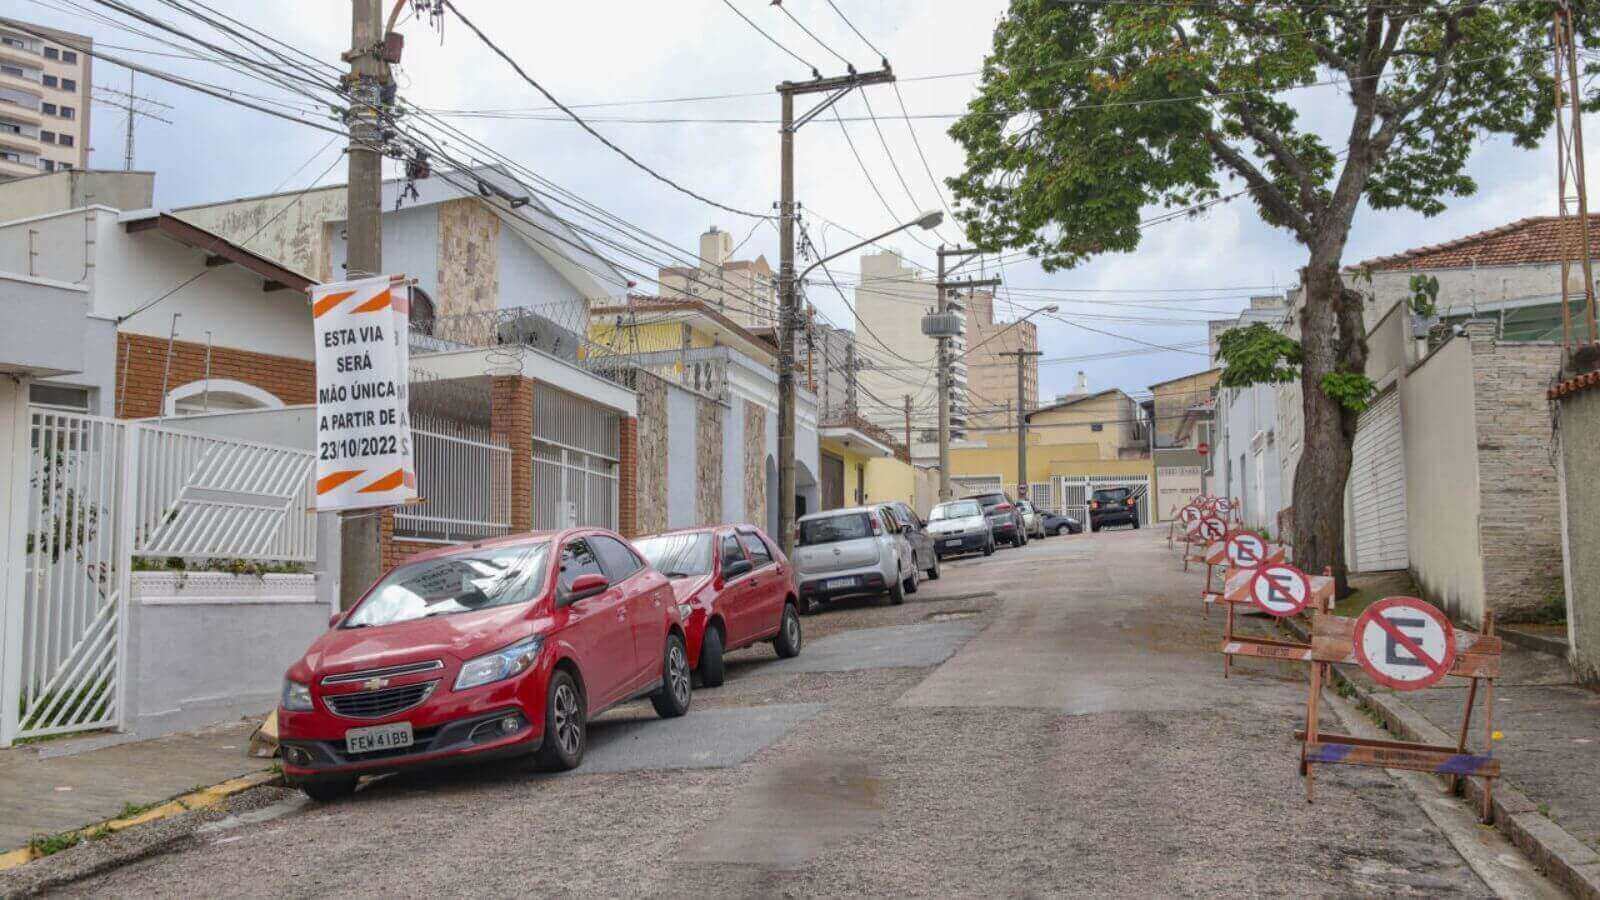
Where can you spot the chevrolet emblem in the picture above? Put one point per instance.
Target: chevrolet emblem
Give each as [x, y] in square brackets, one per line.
[375, 684]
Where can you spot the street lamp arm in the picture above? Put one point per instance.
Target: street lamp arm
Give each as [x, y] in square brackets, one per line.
[1043, 309]
[927, 220]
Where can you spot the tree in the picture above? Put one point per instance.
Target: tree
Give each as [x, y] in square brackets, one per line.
[1089, 111]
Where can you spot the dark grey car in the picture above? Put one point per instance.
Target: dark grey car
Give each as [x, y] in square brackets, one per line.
[1005, 520]
[916, 534]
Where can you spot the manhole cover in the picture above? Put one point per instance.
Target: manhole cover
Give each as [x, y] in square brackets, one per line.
[954, 614]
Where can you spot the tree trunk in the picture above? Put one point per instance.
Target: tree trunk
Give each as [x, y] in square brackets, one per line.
[1332, 339]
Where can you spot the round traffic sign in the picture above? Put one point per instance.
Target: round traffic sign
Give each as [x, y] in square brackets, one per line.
[1189, 514]
[1280, 589]
[1246, 549]
[1203, 448]
[1224, 505]
[1404, 643]
[1212, 528]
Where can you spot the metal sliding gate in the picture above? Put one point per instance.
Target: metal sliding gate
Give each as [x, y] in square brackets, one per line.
[101, 492]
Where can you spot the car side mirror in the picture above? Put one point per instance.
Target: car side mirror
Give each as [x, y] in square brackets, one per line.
[585, 586]
[736, 568]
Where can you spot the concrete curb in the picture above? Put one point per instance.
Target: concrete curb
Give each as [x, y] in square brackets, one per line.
[201, 799]
[1535, 642]
[1563, 858]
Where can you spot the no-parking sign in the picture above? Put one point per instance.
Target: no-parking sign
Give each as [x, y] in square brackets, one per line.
[1189, 514]
[1280, 590]
[1212, 528]
[1404, 643]
[1224, 505]
[1246, 549]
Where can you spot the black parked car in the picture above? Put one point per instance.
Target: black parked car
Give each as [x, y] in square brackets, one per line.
[1113, 506]
[1055, 523]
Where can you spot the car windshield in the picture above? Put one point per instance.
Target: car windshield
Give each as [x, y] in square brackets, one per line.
[1112, 495]
[678, 555]
[832, 529]
[461, 582]
[961, 509]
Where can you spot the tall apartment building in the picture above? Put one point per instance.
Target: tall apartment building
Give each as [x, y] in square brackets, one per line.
[44, 102]
[895, 358]
[992, 377]
[743, 290]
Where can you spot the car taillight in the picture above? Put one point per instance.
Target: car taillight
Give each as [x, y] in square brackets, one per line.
[1094, 504]
[876, 528]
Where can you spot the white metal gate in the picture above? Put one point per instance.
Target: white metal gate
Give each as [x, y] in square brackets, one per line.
[967, 485]
[75, 578]
[101, 492]
[1377, 489]
[576, 458]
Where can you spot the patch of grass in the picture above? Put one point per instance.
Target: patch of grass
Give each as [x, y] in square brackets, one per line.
[1553, 611]
[1346, 691]
[51, 844]
[101, 833]
[129, 810]
[1544, 810]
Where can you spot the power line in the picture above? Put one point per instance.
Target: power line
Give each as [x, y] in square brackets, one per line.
[870, 46]
[810, 34]
[815, 73]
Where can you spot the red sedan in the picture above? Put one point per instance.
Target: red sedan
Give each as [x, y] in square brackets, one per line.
[734, 587]
[501, 648]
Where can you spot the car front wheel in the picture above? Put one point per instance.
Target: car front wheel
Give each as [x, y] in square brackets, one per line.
[566, 724]
[710, 668]
[672, 700]
[933, 570]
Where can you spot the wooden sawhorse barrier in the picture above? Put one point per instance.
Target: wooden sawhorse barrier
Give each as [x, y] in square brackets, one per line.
[1242, 590]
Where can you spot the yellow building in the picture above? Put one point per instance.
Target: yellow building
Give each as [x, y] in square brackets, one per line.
[1074, 447]
[861, 464]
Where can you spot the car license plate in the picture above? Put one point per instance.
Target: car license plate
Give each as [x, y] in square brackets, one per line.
[378, 737]
[954, 543]
[835, 583]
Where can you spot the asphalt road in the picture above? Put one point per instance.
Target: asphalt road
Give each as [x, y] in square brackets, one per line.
[1071, 735]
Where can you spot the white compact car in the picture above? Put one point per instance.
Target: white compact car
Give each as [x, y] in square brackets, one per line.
[959, 526]
[847, 552]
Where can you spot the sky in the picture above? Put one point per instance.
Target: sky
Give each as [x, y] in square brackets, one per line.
[610, 51]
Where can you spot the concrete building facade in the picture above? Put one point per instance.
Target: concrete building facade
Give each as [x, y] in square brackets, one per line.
[45, 85]
[745, 291]
[896, 358]
[992, 376]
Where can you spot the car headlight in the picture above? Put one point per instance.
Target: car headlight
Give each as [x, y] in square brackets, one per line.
[296, 696]
[684, 609]
[500, 665]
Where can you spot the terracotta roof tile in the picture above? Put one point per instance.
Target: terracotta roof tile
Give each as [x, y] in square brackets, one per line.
[1536, 239]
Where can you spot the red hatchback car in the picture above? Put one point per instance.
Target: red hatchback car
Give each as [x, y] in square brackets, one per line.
[734, 587]
[501, 648]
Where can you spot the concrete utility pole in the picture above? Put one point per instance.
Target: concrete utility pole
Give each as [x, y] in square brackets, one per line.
[788, 287]
[908, 423]
[1022, 416]
[943, 285]
[361, 532]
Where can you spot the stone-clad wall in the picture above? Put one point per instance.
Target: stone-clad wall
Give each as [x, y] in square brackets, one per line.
[755, 464]
[1580, 457]
[1519, 527]
[708, 461]
[652, 452]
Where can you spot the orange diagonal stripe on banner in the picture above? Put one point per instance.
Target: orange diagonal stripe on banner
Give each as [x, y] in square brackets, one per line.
[381, 301]
[387, 483]
[329, 302]
[328, 482]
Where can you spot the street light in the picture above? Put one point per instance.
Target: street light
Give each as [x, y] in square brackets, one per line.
[786, 388]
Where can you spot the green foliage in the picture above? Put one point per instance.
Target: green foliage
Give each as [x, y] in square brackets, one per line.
[1089, 112]
[1424, 298]
[130, 809]
[1352, 390]
[1257, 354]
[51, 844]
[254, 567]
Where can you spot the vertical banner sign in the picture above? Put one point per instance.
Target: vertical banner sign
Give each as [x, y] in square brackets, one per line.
[363, 424]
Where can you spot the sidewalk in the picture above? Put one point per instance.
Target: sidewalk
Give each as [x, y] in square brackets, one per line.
[1549, 752]
[70, 783]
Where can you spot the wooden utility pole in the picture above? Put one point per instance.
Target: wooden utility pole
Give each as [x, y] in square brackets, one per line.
[788, 290]
[1571, 182]
[1022, 416]
[908, 423]
[361, 533]
[943, 285]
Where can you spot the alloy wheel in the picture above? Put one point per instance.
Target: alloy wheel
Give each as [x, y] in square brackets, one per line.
[791, 626]
[566, 709]
[678, 673]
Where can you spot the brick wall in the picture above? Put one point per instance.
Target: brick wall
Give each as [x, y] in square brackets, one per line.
[511, 422]
[628, 478]
[142, 359]
[1519, 529]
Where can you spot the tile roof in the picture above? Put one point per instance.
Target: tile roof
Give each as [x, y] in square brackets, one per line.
[1575, 385]
[1532, 240]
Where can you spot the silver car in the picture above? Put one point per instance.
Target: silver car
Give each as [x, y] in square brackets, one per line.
[848, 552]
[1032, 520]
[959, 526]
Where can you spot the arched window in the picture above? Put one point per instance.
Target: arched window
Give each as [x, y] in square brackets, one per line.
[217, 395]
[423, 314]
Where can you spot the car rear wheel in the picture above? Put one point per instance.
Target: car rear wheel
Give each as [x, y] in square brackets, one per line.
[911, 579]
[672, 700]
[988, 549]
[710, 668]
[1136, 524]
[933, 570]
[897, 592]
[328, 790]
[566, 725]
[788, 640]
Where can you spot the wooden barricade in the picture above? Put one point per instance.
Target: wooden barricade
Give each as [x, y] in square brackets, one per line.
[1239, 591]
[1337, 640]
